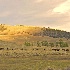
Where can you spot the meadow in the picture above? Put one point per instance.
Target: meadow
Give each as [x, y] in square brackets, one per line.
[27, 48]
[33, 63]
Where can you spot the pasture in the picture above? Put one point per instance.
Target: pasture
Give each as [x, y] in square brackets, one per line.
[33, 63]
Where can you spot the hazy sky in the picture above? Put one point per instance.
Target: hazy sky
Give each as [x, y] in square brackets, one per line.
[48, 13]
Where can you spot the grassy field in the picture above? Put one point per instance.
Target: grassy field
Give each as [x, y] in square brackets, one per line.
[17, 56]
[32, 63]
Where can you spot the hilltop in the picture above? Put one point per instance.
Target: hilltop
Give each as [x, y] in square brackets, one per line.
[34, 31]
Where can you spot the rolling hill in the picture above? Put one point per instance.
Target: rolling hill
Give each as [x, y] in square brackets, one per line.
[16, 36]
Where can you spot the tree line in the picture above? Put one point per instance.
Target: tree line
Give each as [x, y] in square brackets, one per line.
[55, 33]
[59, 43]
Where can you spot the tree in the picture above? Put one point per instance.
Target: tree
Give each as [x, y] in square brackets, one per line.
[44, 43]
[38, 44]
[63, 44]
[2, 28]
[51, 44]
[27, 44]
[57, 44]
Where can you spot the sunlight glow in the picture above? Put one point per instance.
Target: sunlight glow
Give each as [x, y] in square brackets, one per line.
[62, 8]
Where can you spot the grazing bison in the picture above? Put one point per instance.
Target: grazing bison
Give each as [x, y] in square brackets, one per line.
[1, 48]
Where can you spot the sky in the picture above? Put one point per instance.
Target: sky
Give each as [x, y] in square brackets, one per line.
[45, 13]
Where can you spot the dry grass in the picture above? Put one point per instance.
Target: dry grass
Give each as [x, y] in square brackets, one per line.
[32, 63]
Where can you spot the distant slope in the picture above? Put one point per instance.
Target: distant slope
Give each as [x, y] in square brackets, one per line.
[34, 31]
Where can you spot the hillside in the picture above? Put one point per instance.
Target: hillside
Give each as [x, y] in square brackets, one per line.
[16, 36]
[34, 31]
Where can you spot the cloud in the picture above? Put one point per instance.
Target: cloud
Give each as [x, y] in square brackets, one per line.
[63, 7]
[35, 12]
